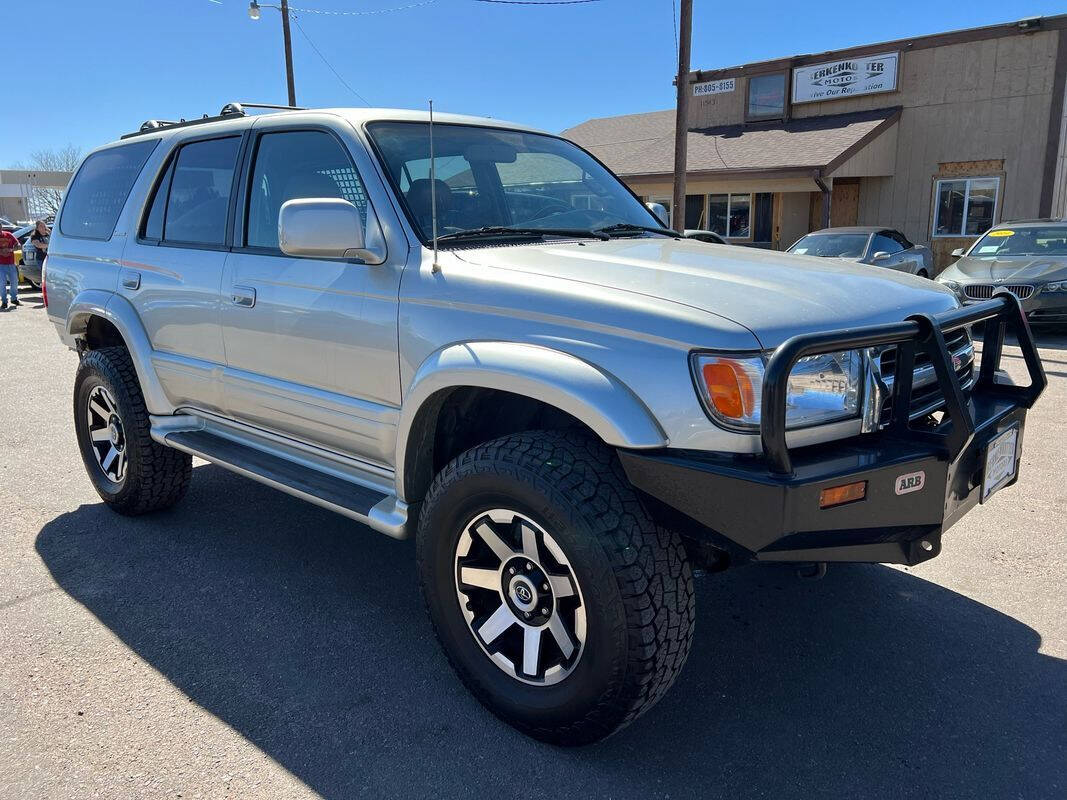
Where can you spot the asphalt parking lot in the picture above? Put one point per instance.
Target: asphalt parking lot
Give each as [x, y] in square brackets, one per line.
[246, 644]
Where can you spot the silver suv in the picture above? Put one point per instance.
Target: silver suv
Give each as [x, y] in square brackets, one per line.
[473, 333]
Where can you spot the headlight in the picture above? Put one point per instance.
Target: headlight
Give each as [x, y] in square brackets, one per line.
[822, 388]
[953, 285]
[1060, 286]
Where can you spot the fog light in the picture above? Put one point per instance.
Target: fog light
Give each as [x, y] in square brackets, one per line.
[839, 495]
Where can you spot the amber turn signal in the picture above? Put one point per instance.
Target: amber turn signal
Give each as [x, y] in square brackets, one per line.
[839, 495]
[729, 388]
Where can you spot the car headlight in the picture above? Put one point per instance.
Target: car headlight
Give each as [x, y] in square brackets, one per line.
[823, 388]
[953, 285]
[1059, 286]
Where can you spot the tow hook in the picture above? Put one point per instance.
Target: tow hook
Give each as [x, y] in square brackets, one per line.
[812, 572]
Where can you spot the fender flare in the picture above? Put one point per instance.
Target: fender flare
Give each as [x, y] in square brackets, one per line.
[589, 394]
[119, 312]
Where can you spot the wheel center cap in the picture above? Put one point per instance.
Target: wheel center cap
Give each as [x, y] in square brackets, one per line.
[113, 432]
[523, 593]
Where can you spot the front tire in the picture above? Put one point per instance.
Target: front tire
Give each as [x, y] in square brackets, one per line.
[131, 472]
[560, 603]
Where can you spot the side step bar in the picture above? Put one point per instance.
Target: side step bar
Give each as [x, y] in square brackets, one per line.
[360, 502]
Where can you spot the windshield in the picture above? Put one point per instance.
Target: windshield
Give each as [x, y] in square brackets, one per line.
[1003, 242]
[491, 177]
[837, 245]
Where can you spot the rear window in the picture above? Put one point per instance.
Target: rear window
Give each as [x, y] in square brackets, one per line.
[99, 190]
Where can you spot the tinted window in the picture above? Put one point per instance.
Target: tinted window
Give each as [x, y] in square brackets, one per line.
[99, 190]
[766, 96]
[292, 165]
[883, 244]
[153, 227]
[899, 237]
[200, 192]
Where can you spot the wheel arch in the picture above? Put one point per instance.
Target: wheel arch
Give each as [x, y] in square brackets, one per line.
[97, 317]
[556, 381]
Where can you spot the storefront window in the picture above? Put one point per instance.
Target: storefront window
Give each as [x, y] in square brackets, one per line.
[730, 215]
[965, 206]
[766, 97]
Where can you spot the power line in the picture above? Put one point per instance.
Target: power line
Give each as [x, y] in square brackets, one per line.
[538, 2]
[370, 13]
[318, 52]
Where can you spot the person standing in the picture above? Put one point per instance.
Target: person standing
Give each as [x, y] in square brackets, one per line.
[9, 273]
[39, 237]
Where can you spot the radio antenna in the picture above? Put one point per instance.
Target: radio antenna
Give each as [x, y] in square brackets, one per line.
[433, 193]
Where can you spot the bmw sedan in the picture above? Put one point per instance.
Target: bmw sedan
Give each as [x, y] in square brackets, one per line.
[880, 247]
[1027, 258]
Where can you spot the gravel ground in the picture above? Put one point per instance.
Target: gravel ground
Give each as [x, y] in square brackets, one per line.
[246, 644]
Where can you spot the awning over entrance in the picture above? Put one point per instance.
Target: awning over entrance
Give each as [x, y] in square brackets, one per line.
[642, 146]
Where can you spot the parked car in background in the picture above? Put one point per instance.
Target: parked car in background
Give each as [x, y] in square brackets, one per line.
[7, 225]
[711, 237]
[26, 258]
[1027, 258]
[880, 247]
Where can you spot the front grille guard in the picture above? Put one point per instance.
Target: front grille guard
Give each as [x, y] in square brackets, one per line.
[918, 333]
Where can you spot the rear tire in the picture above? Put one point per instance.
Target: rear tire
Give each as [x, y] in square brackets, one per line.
[131, 472]
[610, 620]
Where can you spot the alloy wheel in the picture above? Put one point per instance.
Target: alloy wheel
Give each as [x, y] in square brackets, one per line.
[520, 597]
[107, 436]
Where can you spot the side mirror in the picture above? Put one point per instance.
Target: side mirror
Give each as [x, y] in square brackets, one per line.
[957, 253]
[881, 255]
[660, 212]
[323, 227]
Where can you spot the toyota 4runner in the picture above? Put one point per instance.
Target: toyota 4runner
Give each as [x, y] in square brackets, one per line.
[472, 332]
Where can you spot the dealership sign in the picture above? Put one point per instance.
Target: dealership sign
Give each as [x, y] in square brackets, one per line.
[713, 87]
[847, 78]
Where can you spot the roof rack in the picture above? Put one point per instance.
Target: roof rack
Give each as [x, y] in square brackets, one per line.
[229, 111]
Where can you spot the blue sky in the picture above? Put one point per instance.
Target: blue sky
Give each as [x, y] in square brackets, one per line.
[101, 68]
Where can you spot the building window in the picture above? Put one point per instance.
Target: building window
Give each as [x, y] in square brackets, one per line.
[766, 97]
[730, 215]
[965, 206]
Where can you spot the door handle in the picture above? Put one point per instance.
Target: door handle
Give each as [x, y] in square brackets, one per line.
[244, 296]
[131, 279]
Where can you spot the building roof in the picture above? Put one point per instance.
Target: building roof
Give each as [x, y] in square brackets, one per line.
[643, 144]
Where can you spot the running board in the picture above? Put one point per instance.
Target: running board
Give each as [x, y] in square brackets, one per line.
[367, 504]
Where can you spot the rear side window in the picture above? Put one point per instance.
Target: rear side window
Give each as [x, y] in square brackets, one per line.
[192, 201]
[99, 190]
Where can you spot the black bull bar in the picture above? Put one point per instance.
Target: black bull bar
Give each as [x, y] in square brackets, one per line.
[768, 507]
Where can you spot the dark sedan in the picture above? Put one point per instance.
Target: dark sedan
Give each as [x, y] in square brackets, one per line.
[1029, 259]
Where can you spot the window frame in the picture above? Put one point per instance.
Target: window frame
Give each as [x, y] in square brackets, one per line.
[58, 223]
[749, 116]
[166, 173]
[239, 227]
[966, 205]
[729, 205]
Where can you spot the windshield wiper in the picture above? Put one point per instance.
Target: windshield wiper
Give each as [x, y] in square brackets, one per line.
[490, 231]
[628, 227]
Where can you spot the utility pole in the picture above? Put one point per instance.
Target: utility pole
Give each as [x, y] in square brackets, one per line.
[681, 119]
[288, 53]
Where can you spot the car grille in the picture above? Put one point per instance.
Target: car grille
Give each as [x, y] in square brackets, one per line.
[926, 394]
[984, 291]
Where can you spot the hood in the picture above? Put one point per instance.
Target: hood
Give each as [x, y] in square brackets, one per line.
[775, 295]
[1010, 269]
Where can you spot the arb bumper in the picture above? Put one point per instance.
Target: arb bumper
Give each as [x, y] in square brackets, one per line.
[884, 497]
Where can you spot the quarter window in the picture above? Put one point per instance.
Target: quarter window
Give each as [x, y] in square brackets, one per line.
[885, 244]
[297, 164]
[965, 206]
[730, 215]
[99, 190]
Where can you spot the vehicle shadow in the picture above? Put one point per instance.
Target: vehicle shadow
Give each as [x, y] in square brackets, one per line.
[305, 633]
